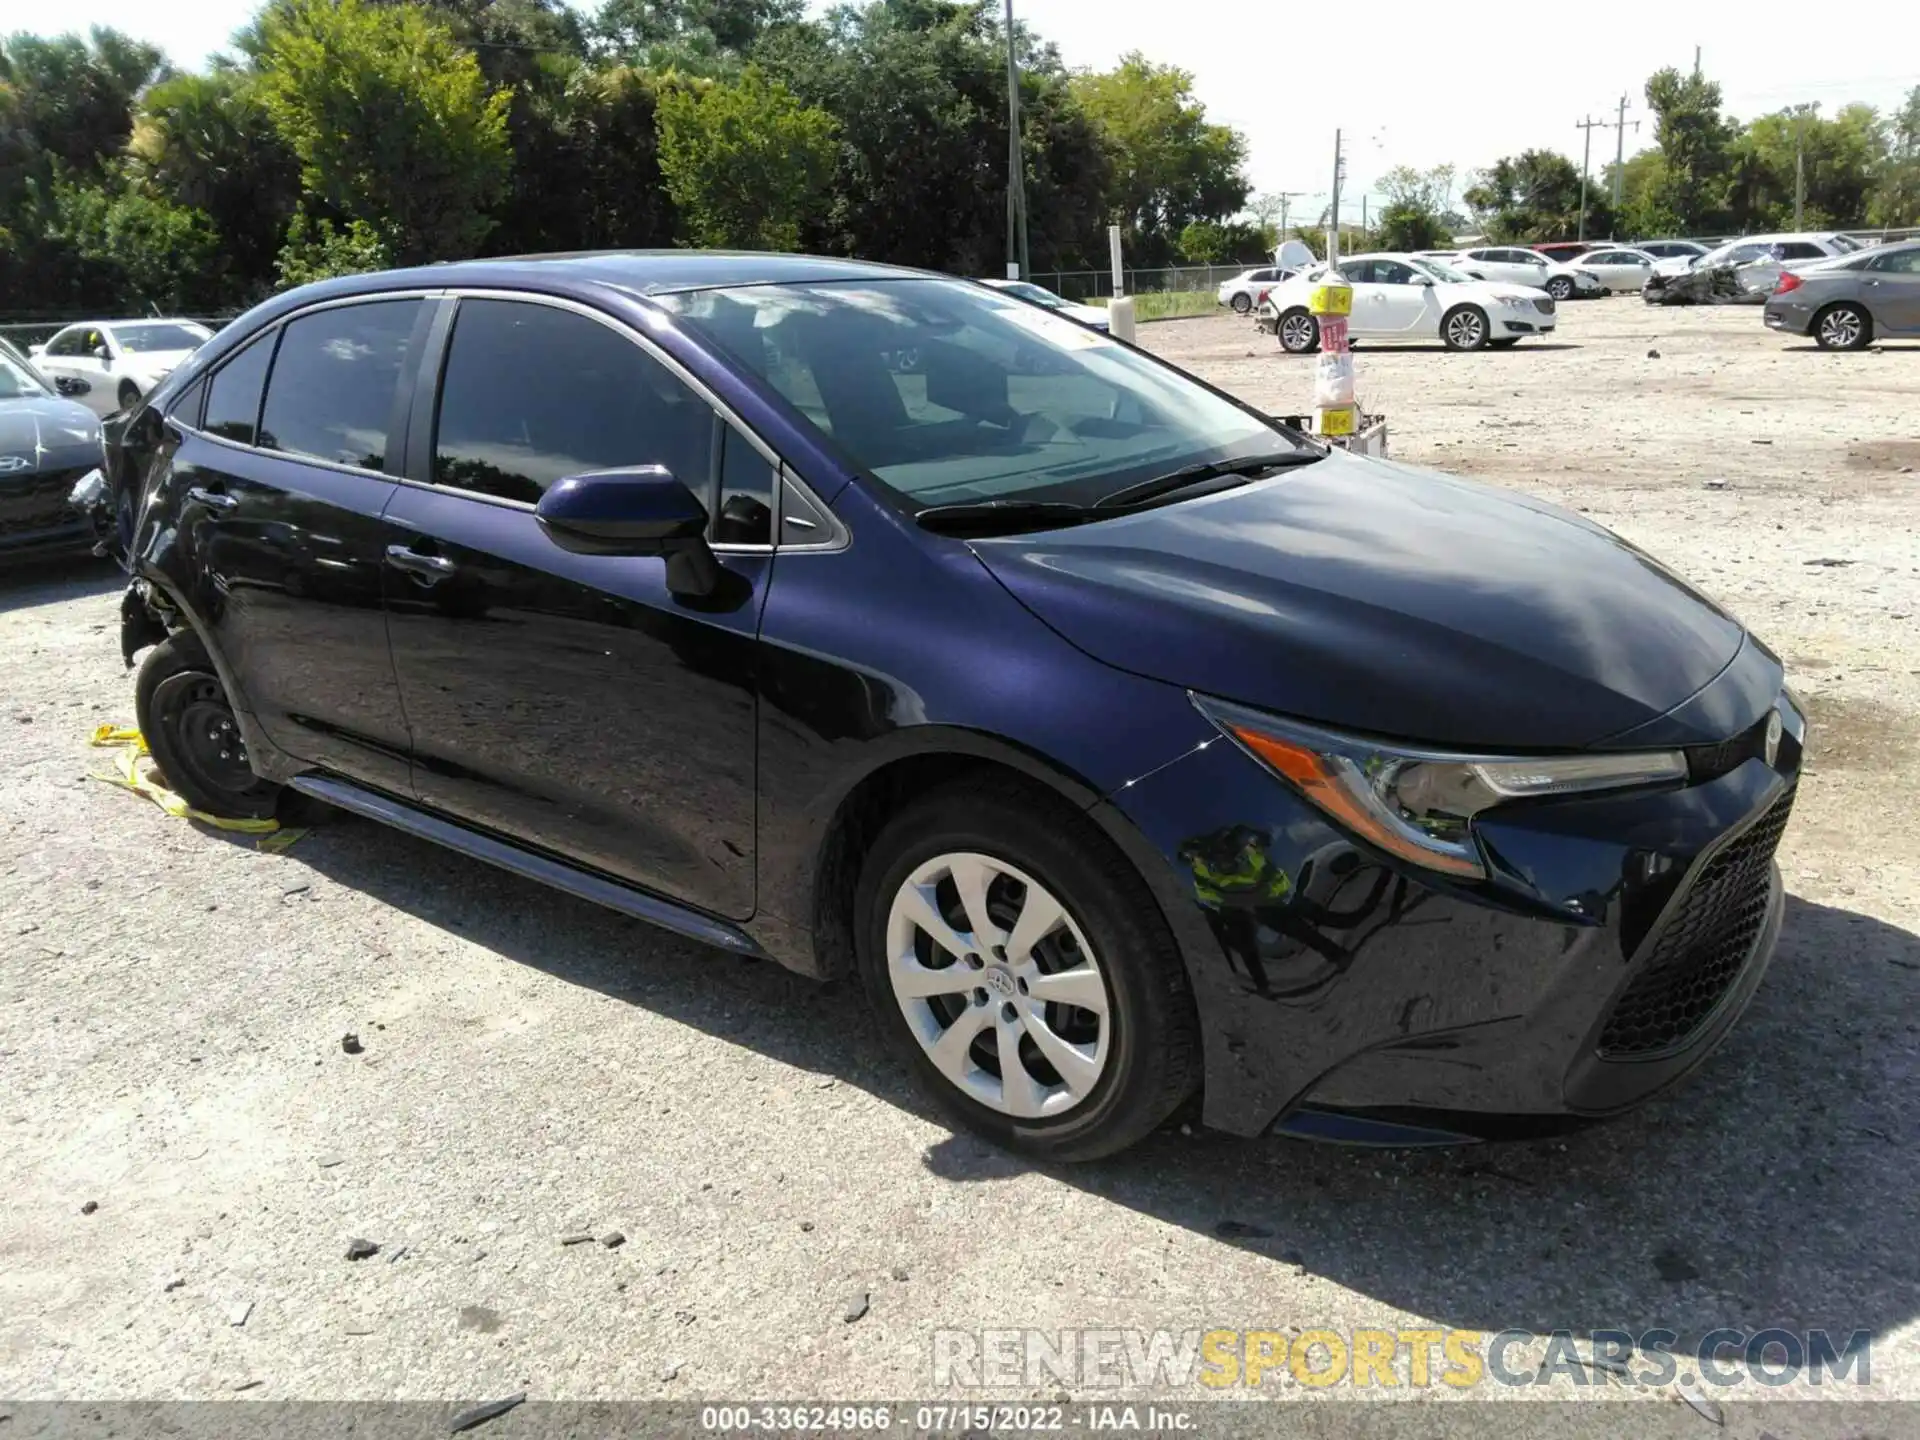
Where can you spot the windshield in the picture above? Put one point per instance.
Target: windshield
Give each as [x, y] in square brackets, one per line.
[17, 378]
[952, 393]
[1440, 270]
[161, 335]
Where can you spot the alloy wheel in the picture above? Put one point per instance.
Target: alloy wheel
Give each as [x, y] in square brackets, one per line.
[1841, 328]
[1560, 288]
[1465, 329]
[1297, 333]
[1241, 302]
[999, 985]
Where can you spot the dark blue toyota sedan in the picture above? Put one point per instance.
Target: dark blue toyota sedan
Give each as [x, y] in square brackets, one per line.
[1128, 745]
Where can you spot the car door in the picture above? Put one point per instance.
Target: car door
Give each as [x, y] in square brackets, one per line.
[1368, 317]
[274, 497]
[1524, 267]
[571, 701]
[1890, 284]
[1406, 306]
[1483, 264]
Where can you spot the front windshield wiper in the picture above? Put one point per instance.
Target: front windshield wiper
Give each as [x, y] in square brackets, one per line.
[1002, 517]
[1188, 475]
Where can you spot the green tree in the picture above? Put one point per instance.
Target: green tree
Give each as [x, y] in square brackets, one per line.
[391, 120]
[1536, 196]
[1414, 217]
[1694, 146]
[919, 90]
[702, 37]
[744, 160]
[1170, 167]
[70, 103]
[1840, 159]
[1896, 193]
[207, 142]
[319, 250]
[129, 250]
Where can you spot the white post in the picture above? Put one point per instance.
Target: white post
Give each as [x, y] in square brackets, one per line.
[1119, 308]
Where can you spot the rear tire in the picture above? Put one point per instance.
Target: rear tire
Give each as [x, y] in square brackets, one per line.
[1465, 328]
[1843, 326]
[955, 1015]
[1298, 332]
[189, 725]
[129, 395]
[1241, 302]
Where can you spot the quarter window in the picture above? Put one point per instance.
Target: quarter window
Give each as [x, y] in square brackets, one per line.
[745, 516]
[335, 383]
[531, 394]
[233, 397]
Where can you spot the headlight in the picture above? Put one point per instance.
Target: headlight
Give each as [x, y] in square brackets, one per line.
[1419, 804]
[1519, 302]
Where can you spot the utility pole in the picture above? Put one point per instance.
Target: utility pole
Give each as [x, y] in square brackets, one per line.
[1333, 210]
[1620, 155]
[1363, 219]
[1586, 161]
[1799, 164]
[1696, 62]
[1019, 266]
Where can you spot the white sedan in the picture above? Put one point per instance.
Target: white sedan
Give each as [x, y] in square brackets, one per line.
[1092, 316]
[119, 361]
[1406, 297]
[1517, 265]
[1620, 267]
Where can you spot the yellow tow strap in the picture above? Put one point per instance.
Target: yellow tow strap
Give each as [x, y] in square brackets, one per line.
[132, 775]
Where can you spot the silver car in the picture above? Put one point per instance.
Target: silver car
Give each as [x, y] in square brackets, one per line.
[1844, 303]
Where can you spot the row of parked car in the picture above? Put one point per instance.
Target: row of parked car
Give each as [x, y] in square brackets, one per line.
[1845, 292]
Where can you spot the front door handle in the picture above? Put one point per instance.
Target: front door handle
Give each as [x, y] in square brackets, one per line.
[425, 567]
[212, 499]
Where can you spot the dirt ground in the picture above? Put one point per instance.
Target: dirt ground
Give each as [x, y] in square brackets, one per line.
[172, 1003]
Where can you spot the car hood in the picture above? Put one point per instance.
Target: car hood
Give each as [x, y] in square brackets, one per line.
[1380, 598]
[52, 434]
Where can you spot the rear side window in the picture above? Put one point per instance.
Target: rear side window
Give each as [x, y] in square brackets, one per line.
[531, 394]
[1900, 262]
[1798, 250]
[233, 396]
[335, 382]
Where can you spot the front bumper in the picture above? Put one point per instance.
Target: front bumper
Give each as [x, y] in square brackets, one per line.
[36, 518]
[1345, 995]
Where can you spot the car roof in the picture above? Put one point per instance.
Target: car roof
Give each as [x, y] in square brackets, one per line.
[653, 272]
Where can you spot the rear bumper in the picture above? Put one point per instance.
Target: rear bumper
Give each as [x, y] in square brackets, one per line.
[1345, 996]
[1785, 315]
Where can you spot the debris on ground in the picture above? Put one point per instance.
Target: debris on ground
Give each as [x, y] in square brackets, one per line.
[857, 1307]
[1702, 1405]
[238, 1312]
[135, 771]
[578, 1237]
[900, 1274]
[613, 1239]
[350, 1043]
[1241, 1230]
[174, 1284]
[358, 1249]
[669, 1372]
[480, 1414]
[89, 1207]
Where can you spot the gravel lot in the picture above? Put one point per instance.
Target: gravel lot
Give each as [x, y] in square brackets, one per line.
[172, 1003]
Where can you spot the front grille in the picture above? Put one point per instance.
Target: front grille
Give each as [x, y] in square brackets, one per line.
[37, 501]
[1703, 947]
[1545, 307]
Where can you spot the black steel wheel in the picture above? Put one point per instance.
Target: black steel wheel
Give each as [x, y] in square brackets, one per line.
[195, 739]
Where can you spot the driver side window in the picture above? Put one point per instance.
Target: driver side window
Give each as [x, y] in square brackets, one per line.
[1391, 272]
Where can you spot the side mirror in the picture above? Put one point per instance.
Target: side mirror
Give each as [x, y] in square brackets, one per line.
[103, 354]
[1426, 280]
[70, 385]
[643, 510]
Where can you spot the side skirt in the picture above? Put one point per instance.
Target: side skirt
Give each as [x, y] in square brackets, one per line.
[535, 866]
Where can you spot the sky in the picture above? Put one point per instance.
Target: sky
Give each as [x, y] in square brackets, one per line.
[1418, 84]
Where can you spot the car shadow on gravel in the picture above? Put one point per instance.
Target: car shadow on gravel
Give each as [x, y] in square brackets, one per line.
[1776, 1187]
[25, 584]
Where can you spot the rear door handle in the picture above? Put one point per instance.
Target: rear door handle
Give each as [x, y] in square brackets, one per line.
[427, 567]
[212, 499]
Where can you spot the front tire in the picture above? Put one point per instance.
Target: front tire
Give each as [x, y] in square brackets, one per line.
[129, 395]
[189, 725]
[1560, 288]
[1241, 302]
[1844, 326]
[1013, 960]
[1298, 332]
[1464, 328]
